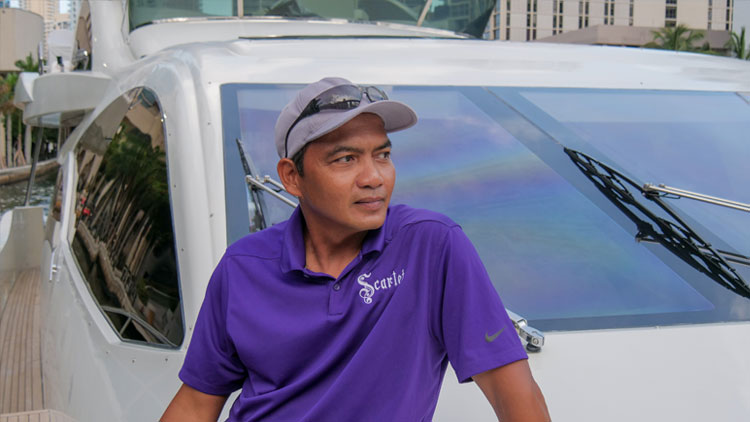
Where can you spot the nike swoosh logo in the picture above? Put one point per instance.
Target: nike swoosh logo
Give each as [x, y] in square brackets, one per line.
[492, 338]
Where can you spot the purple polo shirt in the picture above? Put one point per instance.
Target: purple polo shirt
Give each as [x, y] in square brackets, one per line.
[372, 345]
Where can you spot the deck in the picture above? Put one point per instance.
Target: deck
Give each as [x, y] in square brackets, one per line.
[20, 347]
[21, 383]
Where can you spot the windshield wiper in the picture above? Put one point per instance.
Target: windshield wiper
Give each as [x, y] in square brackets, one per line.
[259, 183]
[256, 185]
[677, 236]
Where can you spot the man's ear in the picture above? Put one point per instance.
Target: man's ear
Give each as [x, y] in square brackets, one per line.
[289, 176]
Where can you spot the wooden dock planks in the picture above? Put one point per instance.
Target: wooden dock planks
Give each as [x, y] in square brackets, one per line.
[20, 351]
[36, 416]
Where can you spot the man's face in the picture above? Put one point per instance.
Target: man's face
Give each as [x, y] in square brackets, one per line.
[348, 178]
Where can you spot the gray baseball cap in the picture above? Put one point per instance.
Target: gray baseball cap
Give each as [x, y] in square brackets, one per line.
[395, 115]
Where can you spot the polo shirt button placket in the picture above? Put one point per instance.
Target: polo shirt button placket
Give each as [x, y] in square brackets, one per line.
[336, 300]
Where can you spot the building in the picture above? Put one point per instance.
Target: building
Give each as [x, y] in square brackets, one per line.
[73, 7]
[611, 22]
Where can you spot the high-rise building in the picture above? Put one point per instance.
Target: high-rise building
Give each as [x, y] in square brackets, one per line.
[73, 7]
[47, 9]
[618, 22]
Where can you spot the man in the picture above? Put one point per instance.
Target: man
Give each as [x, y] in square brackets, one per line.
[351, 309]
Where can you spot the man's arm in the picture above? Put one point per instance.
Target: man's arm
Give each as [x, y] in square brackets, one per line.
[191, 405]
[513, 393]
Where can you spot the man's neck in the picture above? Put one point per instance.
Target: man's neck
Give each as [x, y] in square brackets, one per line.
[330, 252]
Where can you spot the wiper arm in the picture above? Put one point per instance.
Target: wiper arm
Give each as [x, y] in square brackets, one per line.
[257, 217]
[664, 192]
[256, 184]
[677, 236]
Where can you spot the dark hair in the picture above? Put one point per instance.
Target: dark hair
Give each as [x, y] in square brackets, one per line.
[298, 158]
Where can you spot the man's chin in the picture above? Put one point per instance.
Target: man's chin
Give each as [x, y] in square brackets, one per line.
[373, 222]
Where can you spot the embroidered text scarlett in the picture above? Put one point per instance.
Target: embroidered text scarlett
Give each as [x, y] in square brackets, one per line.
[368, 290]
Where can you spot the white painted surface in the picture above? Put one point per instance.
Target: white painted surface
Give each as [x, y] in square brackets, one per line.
[72, 93]
[680, 373]
[23, 246]
[150, 39]
[5, 221]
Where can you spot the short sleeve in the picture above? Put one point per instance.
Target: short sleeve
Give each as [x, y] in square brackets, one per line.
[211, 364]
[476, 331]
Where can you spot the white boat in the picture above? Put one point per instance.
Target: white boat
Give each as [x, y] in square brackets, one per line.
[638, 298]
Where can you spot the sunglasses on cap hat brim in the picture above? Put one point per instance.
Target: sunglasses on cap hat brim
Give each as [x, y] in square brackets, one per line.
[342, 97]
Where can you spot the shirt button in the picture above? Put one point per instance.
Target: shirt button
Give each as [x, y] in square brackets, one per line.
[337, 287]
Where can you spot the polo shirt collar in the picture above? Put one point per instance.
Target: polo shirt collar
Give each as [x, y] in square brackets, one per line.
[293, 248]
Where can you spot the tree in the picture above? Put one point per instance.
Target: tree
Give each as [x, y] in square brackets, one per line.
[28, 64]
[678, 38]
[737, 45]
[7, 109]
[8, 112]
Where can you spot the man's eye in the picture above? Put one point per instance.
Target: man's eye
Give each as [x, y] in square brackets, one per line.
[344, 159]
[385, 155]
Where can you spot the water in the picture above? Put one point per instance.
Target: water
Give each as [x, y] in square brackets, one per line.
[14, 194]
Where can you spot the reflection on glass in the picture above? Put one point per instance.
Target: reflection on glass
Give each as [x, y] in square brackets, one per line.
[693, 140]
[550, 251]
[468, 16]
[668, 229]
[123, 238]
[558, 255]
[56, 205]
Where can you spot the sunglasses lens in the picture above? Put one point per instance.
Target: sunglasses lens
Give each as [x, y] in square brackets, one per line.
[374, 94]
[340, 95]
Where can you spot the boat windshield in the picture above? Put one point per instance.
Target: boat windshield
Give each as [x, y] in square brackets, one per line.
[518, 169]
[465, 16]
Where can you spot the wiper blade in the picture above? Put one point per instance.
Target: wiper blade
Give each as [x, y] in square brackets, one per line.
[664, 192]
[677, 236]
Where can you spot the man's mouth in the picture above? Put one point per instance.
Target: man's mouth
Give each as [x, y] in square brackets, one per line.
[373, 202]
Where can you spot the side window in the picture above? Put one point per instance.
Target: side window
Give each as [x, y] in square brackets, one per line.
[124, 243]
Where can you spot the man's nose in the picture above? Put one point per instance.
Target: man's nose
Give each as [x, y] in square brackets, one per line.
[370, 175]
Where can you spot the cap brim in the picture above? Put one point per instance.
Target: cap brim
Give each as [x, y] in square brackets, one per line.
[396, 116]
